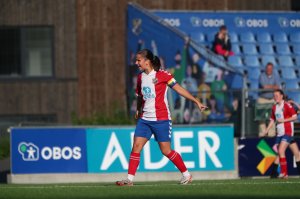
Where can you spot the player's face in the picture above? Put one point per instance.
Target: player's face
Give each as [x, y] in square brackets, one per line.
[141, 62]
[277, 97]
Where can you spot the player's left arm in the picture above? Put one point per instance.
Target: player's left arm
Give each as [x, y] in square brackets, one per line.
[183, 92]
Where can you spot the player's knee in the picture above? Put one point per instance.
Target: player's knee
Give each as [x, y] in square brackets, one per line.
[281, 152]
[165, 152]
[137, 147]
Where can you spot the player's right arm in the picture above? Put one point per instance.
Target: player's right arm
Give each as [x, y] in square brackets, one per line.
[138, 106]
[271, 123]
[139, 96]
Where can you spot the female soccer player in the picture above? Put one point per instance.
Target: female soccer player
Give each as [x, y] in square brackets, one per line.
[283, 114]
[154, 115]
[293, 147]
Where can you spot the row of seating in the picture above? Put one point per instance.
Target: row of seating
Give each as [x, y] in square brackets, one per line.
[266, 49]
[289, 85]
[284, 73]
[261, 61]
[249, 37]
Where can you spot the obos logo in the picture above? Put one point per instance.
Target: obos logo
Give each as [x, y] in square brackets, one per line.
[30, 152]
[251, 23]
[196, 22]
[283, 22]
[240, 22]
[173, 21]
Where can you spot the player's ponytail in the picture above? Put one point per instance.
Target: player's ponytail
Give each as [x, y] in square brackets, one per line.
[146, 53]
[156, 63]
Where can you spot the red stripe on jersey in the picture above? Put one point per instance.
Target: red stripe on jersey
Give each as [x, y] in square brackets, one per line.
[162, 110]
[288, 112]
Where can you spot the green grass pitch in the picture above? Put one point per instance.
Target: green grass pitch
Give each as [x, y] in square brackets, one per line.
[244, 188]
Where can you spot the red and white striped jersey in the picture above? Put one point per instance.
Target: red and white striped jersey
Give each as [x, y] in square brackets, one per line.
[283, 111]
[153, 88]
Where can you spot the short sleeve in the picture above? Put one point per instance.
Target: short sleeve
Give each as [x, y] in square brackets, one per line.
[168, 78]
[291, 110]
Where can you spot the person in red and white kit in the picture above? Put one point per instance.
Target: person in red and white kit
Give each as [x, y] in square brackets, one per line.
[283, 115]
[153, 114]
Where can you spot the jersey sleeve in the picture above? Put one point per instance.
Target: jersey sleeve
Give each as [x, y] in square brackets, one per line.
[169, 79]
[291, 110]
[138, 90]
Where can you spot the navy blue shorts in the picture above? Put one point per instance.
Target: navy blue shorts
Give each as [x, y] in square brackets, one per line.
[285, 138]
[161, 130]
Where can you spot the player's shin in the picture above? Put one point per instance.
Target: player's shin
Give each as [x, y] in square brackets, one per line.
[134, 162]
[177, 160]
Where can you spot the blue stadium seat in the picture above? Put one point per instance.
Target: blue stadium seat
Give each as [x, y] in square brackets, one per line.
[285, 61]
[247, 37]
[252, 61]
[268, 58]
[253, 73]
[254, 84]
[280, 37]
[266, 49]
[233, 37]
[236, 49]
[294, 95]
[264, 37]
[210, 37]
[297, 60]
[198, 37]
[235, 61]
[291, 84]
[295, 37]
[296, 49]
[249, 49]
[283, 49]
[288, 73]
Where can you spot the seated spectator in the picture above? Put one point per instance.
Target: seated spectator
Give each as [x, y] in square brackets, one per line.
[222, 44]
[269, 81]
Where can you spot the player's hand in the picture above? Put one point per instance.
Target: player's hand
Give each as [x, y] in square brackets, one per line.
[202, 107]
[280, 120]
[263, 134]
[137, 115]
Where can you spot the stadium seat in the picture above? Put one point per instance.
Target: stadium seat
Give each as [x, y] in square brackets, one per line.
[297, 60]
[266, 49]
[285, 61]
[294, 95]
[280, 37]
[296, 49]
[210, 37]
[291, 84]
[236, 49]
[247, 37]
[249, 49]
[233, 37]
[254, 84]
[295, 37]
[252, 61]
[253, 73]
[268, 58]
[235, 61]
[283, 49]
[198, 37]
[288, 73]
[264, 37]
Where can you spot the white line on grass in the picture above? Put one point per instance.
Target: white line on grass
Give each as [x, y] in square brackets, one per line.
[146, 185]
